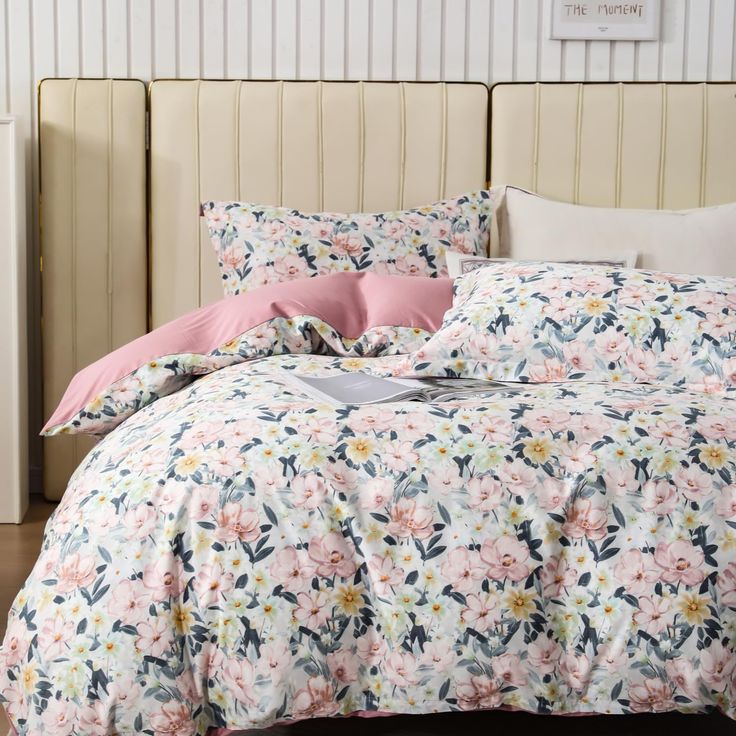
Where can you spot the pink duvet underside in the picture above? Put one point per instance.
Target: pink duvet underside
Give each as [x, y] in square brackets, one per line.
[350, 302]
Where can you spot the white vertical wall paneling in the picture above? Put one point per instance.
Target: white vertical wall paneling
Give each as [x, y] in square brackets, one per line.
[598, 61]
[550, 49]
[454, 39]
[696, 39]
[721, 46]
[358, 42]
[164, 38]
[429, 40]
[334, 49]
[116, 37]
[675, 14]
[310, 39]
[44, 38]
[214, 48]
[261, 59]
[381, 39]
[285, 38]
[141, 38]
[478, 39]
[526, 47]
[502, 39]
[189, 44]
[92, 34]
[67, 37]
[405, 50]
[623, 61]
[236, 35]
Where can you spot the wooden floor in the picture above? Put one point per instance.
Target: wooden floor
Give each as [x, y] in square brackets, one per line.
[19, 546]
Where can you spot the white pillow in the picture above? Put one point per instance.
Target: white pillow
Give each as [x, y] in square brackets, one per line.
[699, 241]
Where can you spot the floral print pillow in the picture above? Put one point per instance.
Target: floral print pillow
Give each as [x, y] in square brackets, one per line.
[546, 322]
[259, 245]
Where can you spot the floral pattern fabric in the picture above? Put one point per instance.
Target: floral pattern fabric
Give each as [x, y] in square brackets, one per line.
[235, 555]
[259, 245]
[544, 322]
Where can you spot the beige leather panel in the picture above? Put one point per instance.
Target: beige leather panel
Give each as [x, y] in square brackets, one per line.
[93, 238]
[633, 145]
[317, 146]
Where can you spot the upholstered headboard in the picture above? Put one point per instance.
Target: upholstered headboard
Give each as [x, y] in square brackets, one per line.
[651, 146]
[337, 146]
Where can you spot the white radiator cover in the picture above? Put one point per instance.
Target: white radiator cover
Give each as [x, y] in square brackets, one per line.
[13, 328]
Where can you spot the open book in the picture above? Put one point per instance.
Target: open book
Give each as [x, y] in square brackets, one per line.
[363, 388]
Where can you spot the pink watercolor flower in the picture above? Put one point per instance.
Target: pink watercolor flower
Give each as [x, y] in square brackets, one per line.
[727, 585]
[59, 717]
[205, 501]
[553, 494]
[717, 324]
[234, 523]
[273, 229]
[651, 695]
[684, 676]
[621, 480]
[411, 265]
[539, 420]
[508, 668]
[439, 655]
[371, 647]
[124, 692]
[717, 666]
[484, 346]
[693, 483]
[556, 575]
[484, 493]
[16, 643]
[318, 429]
[654, 614]
[726, 504]
[316, 700]
[463, 569]
[482, 611]
[575, 670]
[592, 282]
[173, 718]
[54, 636]
[716, 428]
[401, 668]
[414, 425]
[239, 678]
[333, 554]
[311, 609]
[440, 229]
[342, 666]
[506, 557]
[585, 519]
[293, 569]
[558, 308]
[611, 345]
[383, 574]
[493, 429]
[642, 364]
[670, 433]
[211, 583]
[478, 692]
[140, 521]
[290, 267]
[659, 497]
[410, 519]
[544, 655]
[128, 602]
[729, 371]
[517, 477]
[635, 572]
[345, 244]
[394, 229]
[342, 477]
[76, 571]
[154, 637]
[518, 337]
[399, 456]
[273, 662]
[577, 457]
[613, 656]
[578, 356]
[164, 578]
[549, 371]
[681, 562]
[444, 478]
[96, 719]
[376, 493]
[371, 418]
[309, 491]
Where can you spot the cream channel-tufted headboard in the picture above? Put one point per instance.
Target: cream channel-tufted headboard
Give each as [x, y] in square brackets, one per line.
[339, 146]
[316, 146]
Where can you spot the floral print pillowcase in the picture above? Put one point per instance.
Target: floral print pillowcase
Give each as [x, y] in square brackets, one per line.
[547, 322]
[259, 245]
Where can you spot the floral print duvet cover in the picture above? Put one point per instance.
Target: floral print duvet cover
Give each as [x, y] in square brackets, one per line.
[235, 555]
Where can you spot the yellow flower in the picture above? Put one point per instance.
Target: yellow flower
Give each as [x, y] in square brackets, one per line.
[693, 607]
[28, 677]
[538, 449]
[188, 464]
[714, 456]
[359, 449]
[183, 618]
[595, 305]
[349, 598]
[520, 603]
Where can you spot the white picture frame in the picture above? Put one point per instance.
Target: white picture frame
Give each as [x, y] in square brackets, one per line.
[607, 21]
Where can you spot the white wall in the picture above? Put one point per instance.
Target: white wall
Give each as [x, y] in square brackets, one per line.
[487, 40]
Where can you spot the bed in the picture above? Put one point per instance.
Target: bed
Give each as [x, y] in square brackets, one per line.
[232, 554]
